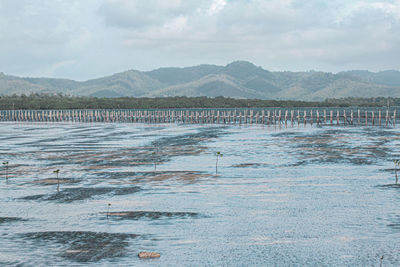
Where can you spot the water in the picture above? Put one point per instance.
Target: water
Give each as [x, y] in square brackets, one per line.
[282, 197]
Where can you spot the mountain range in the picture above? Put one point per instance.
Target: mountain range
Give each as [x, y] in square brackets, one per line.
[239, 79]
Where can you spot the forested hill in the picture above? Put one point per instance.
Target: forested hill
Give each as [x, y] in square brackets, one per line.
[239, 79]
[41, 101]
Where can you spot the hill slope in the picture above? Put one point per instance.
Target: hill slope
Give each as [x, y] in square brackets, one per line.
[239, 79]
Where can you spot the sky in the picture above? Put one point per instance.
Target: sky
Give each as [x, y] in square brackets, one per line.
[85, 39]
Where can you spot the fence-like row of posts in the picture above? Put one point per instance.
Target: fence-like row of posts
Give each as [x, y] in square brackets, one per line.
[209, 116]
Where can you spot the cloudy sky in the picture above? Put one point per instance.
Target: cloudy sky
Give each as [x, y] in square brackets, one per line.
[83, 39]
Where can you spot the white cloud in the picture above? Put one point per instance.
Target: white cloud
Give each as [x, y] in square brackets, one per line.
[83, 39]
[216, 7]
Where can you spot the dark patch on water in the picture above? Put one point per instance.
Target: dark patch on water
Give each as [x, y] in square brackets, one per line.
[86, 246]
[189, 139]
[11, 263]
[244, 165]
[391, 171]
[286, 134]
[152, 215]
[333, 158]
[116, 175]
[323, 149]
[389, 186]
[10, 219]
[53, 181]
[82, 193]
[337, 131]
[379, 132]
[395, 222]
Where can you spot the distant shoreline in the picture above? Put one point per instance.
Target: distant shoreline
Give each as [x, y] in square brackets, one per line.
[45, 102]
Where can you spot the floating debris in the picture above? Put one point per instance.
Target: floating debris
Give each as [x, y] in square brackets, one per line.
[148, 255]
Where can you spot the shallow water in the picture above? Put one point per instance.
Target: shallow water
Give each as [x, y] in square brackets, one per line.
[282, 197]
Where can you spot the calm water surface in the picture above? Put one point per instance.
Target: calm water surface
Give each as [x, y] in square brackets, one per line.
[281, 197]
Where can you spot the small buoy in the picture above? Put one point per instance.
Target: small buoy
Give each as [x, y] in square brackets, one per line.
[148, 255]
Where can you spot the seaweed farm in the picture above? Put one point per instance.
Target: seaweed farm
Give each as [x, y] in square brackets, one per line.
[98, 193]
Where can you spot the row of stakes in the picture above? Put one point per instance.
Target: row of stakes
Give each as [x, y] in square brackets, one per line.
[266, 117]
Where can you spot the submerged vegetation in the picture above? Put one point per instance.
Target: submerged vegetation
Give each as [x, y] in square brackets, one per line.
[45, 101]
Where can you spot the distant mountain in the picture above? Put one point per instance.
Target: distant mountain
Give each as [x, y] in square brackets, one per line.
[239, 79]
[387, 77]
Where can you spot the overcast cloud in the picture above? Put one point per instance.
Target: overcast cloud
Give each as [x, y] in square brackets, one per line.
[91, 38]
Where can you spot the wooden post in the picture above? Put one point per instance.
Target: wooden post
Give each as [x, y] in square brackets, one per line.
[387, 117]
[394, 118]
[305, 117]
[280, 117]
[292, 117]
[344, 117]
[263, 116]
[373, 118]
[325, 116]
[298, 117]
[286, 117]
[337, 117]
[273, 117]
[331, 113]
[311, 117]
[380, 117]
[366, 118]
[351, 117]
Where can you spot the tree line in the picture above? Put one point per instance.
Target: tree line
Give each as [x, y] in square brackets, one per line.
[59, 101]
